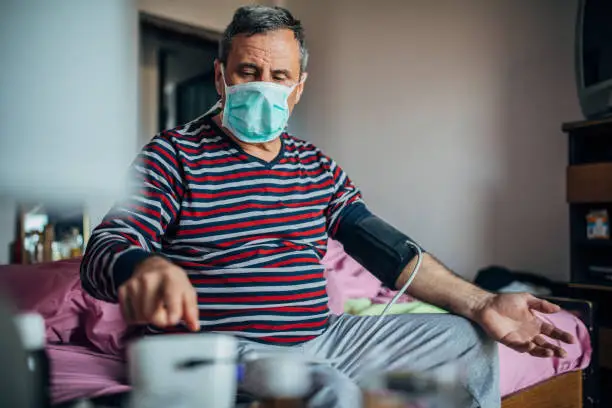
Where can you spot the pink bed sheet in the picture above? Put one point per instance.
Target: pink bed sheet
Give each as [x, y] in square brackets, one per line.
[87, 337]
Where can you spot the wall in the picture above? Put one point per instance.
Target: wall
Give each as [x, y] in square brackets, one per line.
[211, 14]
[68, 104]
[447, 114]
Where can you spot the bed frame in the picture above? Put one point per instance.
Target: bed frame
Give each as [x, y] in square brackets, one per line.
[564, 391]
[577, 389]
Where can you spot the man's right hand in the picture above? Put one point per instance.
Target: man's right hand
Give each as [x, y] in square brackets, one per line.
[159, 293]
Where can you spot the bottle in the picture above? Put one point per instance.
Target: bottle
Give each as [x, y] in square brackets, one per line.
[279, 382]
[375, 393]
[438, 388]
[31, 329]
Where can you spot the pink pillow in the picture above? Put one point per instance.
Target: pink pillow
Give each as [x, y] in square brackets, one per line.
[54, 290]
[104, 325]
[51, 289]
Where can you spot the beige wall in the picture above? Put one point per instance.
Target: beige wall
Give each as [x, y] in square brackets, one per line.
[447, 114]
[210, 14]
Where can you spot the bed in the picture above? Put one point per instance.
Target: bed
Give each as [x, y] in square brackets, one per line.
[87, 337]
[526, 381]
[574, 388]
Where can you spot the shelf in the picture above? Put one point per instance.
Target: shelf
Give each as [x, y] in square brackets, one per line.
[595, 243]
[592, 284]
[581, 124]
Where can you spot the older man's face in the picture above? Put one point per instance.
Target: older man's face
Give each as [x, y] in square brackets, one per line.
[272, 57]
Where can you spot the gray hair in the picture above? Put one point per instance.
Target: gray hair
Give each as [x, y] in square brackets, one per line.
[252, 20]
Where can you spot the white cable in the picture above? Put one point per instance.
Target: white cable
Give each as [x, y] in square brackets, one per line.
[378, 322]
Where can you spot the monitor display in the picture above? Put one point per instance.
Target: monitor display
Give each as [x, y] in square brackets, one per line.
[597, 42]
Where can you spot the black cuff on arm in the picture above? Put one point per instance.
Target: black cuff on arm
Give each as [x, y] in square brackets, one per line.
[126, 263]
[376, 245]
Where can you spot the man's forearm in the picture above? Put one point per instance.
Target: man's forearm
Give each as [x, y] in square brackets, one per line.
[437, 285]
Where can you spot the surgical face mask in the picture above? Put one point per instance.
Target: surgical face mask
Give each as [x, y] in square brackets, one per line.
[256, 112]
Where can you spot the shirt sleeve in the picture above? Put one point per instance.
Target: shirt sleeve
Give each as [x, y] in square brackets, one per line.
[346, 198]
[134, 228]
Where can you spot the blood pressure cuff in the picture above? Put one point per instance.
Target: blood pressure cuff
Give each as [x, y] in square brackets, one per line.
[376, 245]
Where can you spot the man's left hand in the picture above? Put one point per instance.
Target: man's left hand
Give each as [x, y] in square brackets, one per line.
[510, 319]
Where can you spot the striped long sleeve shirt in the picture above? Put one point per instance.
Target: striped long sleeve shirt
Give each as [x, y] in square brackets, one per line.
[250, 234]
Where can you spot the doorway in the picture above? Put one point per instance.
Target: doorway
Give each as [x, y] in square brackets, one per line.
[176, 73]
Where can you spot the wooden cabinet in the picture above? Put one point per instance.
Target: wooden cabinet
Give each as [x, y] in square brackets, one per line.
[589, 183]
[589, 188]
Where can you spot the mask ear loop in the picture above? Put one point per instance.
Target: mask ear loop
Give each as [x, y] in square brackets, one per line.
[225, 86]
[218, 104]
[300, 82]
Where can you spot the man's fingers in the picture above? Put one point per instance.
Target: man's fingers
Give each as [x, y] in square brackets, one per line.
[190, 311]
[126, 308]
[557, 334]
[155, 295]
[521, 347]
[554, 349]
[160, 316]
[173, 302]
[149, 298]
[132, 304]
[542, 305]
[541, 352]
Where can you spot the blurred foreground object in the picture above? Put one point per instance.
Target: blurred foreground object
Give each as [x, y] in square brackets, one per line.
[31, 329]
[15, 381]
[438, 389]
[68, 97]
[183, 371]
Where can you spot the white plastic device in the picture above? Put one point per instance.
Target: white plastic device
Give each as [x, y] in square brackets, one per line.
[31, 329]
[201, 367]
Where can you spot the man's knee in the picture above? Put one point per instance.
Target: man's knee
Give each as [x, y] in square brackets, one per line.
[476, 356]
[464, 334]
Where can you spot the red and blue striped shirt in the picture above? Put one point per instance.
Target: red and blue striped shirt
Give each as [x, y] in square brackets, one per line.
[250, 234]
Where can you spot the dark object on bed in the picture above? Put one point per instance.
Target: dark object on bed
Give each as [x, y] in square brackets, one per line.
[494, 278]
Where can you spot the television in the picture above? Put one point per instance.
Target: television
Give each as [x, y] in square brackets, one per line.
[594, 57]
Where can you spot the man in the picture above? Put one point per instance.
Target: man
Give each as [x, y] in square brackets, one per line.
[229, 221]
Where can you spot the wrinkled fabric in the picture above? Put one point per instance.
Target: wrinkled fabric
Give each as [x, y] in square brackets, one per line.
[72, 316]
[80, 372]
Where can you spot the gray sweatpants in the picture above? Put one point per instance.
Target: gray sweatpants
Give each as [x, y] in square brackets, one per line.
[415, 342]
